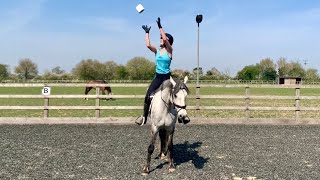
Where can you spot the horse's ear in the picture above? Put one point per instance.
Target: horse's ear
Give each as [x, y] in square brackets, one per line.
[172, 81]
[185, 79]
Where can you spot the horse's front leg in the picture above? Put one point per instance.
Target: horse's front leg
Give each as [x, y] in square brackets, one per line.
[146, 168]
[163, 144]
[87, 91]
[170, 153]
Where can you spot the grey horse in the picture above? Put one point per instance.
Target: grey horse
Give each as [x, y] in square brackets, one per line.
[168, 105]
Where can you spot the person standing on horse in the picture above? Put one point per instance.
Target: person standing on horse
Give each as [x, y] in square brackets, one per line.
[163, 61]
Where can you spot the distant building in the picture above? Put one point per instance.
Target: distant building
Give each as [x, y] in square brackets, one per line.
[290, 80]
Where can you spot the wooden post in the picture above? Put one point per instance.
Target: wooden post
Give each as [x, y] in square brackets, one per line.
[45, 109]
[198, 100]
[247, 102]
[297, 101]
[97, 102]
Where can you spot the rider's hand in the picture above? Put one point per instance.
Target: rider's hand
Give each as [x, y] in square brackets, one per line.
[146, 28]
[159, 23]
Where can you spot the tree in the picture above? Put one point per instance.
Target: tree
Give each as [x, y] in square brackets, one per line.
[4, 72]
[296, 70]
[108, 70]
[194, 72]
[283, 67]
[267, 63]
[47, 75]
[269, 74]
[88, 70]
[311, 74]
[180, 73]
[249, 73]
[57, 70]
[26, 69]
[267, 69]
[140, 68]
[121, 72]
[213, 73]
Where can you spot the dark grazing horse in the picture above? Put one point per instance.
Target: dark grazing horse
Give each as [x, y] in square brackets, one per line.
[102, 89]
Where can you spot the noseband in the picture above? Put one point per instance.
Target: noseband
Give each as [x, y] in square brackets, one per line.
[179, 107]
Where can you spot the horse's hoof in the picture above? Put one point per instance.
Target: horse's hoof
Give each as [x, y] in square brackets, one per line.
[186, 121]
[145, 171]
[163, 157]
[172, 169]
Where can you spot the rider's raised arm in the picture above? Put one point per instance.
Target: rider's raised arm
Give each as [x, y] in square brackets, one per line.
[164, 37]
[148, 44]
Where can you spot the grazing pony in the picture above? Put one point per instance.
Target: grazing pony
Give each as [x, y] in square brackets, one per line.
[102, 89]
[168, 105]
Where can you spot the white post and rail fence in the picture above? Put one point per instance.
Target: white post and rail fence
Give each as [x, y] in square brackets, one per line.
[46, 96]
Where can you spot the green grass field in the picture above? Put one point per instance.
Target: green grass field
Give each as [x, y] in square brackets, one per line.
[139, 102]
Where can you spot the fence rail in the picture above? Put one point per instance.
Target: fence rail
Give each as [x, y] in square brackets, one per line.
[201, 81]
[247, 97]
[146, 85]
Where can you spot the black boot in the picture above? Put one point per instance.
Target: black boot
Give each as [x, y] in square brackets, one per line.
[145, 112]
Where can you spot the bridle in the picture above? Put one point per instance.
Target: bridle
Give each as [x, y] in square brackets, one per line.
[176, 106]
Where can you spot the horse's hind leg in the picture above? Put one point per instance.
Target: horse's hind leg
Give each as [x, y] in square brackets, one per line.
[87, 91]
[170, 152]
[103, 93]
[108, 89]
[146, 168]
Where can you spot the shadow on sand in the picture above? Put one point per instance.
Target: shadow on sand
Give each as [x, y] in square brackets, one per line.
[186, 152]
[183, 153]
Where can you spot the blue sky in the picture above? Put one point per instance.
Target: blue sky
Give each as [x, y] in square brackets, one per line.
[233, 34]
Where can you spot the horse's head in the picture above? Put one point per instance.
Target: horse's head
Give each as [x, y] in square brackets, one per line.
[179, 96]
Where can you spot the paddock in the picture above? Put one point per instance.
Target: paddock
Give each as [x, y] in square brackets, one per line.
[104, 151]
[248, 103]
[103, 147]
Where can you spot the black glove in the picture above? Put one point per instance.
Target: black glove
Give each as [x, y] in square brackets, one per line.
[146, 28]
[158, 22]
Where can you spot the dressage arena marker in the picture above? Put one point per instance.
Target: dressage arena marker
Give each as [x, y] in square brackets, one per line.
[46, 90]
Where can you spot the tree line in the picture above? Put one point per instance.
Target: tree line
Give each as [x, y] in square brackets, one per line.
[140, 68]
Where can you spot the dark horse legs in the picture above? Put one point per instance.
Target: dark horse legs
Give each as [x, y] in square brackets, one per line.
[166, 140]
[146, 168]
[170, 152]
[108, 89]
[87, 91]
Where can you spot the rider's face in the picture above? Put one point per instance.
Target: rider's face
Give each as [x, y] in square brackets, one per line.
[161, 42]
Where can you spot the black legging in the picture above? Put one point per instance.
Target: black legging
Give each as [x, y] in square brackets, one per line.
[155, 84]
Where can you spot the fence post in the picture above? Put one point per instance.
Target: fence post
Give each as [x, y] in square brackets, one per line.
[46, 92]
[247, 102]
[297, 101]
[97, 102]
[46, 109]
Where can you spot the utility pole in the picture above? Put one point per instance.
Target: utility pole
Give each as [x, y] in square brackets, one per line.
[198, 20]
[305, 63]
